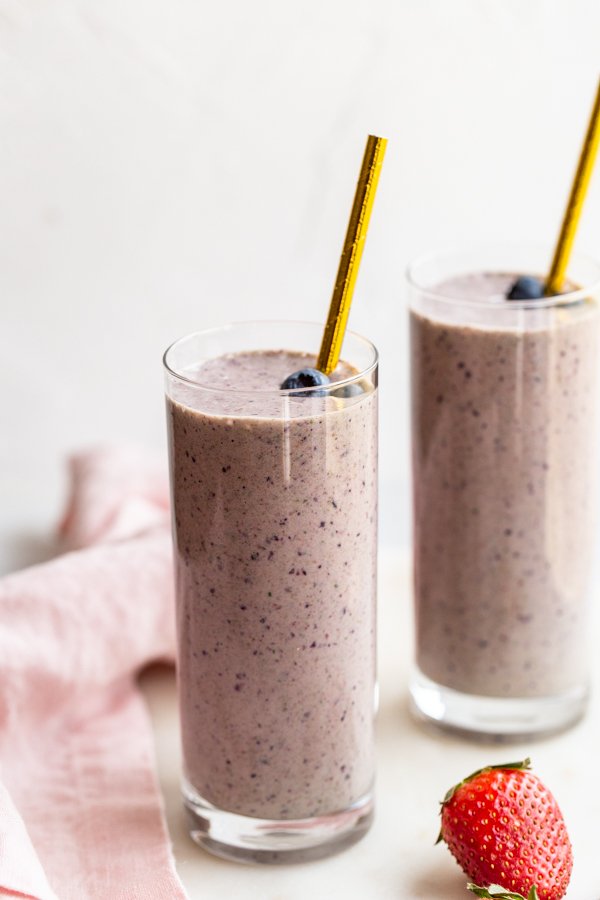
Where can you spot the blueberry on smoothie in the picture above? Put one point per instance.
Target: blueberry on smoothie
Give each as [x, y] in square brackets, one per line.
[304, 378]
[526, 287]
[348, 390]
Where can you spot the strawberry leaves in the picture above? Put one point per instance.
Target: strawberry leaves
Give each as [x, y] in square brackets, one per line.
[497, 892]
[523, 764]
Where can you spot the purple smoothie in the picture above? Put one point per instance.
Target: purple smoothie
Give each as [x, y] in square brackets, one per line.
[504, 428]
[274, 506]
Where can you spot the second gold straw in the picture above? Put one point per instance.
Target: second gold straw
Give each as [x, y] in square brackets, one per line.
[556, 277]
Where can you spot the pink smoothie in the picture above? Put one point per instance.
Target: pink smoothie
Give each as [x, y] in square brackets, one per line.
[274, 516]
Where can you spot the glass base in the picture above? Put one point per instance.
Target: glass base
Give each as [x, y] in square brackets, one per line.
[494, 718]
[275, 842]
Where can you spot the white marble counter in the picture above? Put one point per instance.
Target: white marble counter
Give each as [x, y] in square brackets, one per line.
[397, 860]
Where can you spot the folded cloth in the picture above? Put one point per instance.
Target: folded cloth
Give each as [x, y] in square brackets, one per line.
[80, 810]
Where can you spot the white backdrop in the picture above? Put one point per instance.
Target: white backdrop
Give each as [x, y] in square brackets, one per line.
[167, 166]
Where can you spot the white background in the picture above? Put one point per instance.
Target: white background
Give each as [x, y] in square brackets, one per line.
[168, 166]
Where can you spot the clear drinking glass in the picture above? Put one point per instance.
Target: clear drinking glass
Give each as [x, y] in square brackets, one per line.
[504, 416]
[274, 525]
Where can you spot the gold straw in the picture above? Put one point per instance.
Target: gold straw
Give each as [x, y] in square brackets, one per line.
[564, 245]
[333, 335]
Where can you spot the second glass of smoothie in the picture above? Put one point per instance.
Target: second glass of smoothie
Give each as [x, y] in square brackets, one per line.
[274, 523]
[504, 416]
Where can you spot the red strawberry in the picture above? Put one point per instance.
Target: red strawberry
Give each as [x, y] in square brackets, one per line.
[504, 827]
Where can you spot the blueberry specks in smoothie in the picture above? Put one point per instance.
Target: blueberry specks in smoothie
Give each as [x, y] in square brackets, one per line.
[494, 553]
[279, 579]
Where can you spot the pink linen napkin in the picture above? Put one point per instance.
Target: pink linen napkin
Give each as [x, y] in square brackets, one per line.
[80, 811]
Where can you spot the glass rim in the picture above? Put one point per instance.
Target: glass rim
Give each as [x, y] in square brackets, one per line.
[324, 389]
[450, 252]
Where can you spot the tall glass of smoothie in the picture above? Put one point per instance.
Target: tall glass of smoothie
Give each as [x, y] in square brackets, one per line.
[274, 496]
[504, 415]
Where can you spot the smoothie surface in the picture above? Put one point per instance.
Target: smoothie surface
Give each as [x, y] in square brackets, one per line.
[257, 370]
[491, 287]
[247, 385]
[468, 300]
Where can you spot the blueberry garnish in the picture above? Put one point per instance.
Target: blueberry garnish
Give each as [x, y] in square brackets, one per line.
[304, 378]
[526, 287]
[348, 390]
